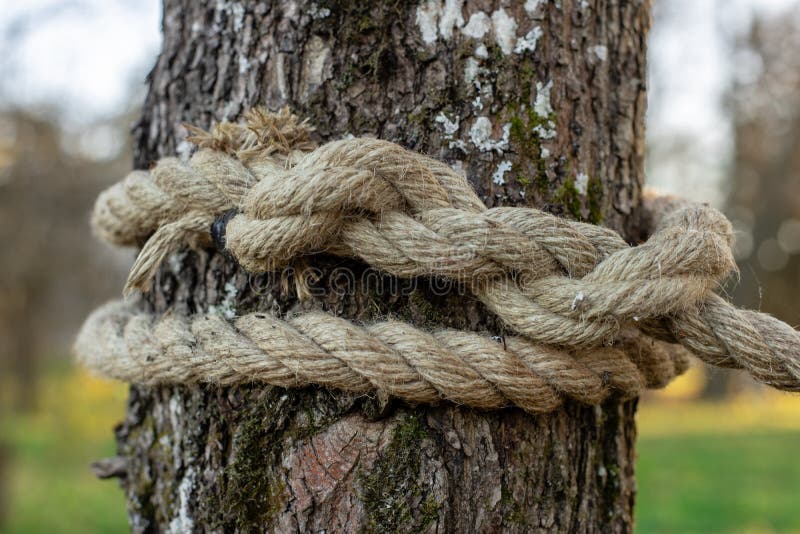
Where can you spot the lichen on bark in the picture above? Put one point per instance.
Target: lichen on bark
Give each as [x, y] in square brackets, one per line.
[532, 101]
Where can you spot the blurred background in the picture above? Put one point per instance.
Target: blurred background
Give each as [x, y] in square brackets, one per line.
[716, 452]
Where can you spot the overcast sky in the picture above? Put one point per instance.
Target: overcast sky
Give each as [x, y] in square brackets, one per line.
[80, 56]
[83, 57]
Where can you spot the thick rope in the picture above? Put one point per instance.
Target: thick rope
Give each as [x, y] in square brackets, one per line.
[553, 281]
[384, 358]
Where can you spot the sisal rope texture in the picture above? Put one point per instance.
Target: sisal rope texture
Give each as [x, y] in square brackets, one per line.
[591, 314]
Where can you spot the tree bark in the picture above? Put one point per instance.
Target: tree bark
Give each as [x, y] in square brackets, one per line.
[539, 103]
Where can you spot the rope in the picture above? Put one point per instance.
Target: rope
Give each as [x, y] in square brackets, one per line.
[388, 357]
[271, 196]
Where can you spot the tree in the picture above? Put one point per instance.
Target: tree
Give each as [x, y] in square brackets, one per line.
[46, 188]
[764, 180]
[539, 103]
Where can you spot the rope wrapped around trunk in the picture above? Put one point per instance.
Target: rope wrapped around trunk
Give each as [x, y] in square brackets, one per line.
[565, 288]
[389, 358]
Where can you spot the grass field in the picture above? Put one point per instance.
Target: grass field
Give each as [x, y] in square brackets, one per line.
[730, 467]
[51, 488]
[719, 483]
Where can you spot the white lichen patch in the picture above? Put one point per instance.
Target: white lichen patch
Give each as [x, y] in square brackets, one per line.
[237, 16]
[498, 177]
[234, 10]
[531, 6]
[318, 13]
[481, 51]
[436, 18]
[479, 25]
[244, 64]
[546, 132]
[542, 105]
[471, 75]
[528, 43]
[544, 109]
[450, 18]
[176, 420]
[471, 70]
[601, 51]
[183, 521]
[449, 126]
[427, 20]
[481, 136]
[226, 307]
[582, 183]
[505, 30]
[545, 153]
[458, 144]
[175, 414]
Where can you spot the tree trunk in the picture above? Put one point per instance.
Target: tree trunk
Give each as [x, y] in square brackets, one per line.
[539, 103]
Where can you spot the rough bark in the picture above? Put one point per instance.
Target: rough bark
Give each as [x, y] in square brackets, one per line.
[267, 459]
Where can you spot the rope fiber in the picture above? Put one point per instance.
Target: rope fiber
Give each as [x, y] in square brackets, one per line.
[573, 293]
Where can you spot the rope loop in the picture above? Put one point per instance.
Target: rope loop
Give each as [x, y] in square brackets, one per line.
[266, 194]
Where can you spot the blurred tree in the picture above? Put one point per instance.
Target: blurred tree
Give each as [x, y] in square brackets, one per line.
[764, 197]
[761, 180]
[48, 182]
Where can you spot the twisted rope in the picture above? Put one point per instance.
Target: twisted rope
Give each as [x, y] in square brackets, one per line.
[388, 357]
[555, 282]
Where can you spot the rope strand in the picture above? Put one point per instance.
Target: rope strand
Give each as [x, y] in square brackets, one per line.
[388, 357]
[556, 282]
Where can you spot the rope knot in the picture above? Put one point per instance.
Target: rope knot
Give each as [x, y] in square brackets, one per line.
[266, 194]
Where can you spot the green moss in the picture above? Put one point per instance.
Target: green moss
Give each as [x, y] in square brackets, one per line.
[429, 511]
[568, 196]
[528, 147]
[359, 26]
[143, 487]
[254, 494]
[252, 490]
[525, 76]
[512, 513]
[518, 132]
[393, 498]
[421, 311]
[594, 193]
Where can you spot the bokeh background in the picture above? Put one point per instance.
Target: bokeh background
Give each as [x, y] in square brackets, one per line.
[716, 452]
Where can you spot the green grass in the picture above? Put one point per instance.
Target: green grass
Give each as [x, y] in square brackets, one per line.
[719, 483]
[729, 467]
[50, 488]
